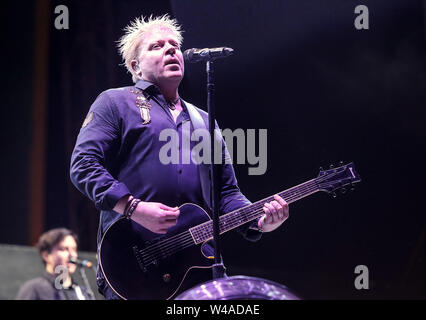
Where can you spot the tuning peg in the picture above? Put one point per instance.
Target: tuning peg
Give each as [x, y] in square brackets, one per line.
[343, 190]
[331, 166]
[321, 169]
[334, 195]
[352, 188]
[341, 163]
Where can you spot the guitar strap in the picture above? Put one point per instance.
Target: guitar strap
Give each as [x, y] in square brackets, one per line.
[203, 169]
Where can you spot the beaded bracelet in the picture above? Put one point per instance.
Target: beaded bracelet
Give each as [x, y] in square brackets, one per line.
[128, 204]
[132, 207]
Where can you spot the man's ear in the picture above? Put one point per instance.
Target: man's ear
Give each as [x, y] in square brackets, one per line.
[135, 66]
[44, 255]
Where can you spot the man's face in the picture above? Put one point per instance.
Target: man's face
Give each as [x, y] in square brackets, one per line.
[160, 58]
[61, 255]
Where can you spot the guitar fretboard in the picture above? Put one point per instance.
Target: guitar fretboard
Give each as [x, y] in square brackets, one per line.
[234, 219]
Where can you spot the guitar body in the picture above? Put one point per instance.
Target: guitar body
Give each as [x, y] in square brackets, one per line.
[140, 264]
[154, 275]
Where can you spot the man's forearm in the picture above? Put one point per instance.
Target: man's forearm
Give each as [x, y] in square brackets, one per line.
[121, 204]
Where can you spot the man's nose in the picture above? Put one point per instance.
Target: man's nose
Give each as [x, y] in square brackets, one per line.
[72, 254]
[171, 50]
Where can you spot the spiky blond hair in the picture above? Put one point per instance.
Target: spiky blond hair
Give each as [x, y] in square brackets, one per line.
[129, 43]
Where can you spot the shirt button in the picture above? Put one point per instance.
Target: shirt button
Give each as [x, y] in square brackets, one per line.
[180, 171]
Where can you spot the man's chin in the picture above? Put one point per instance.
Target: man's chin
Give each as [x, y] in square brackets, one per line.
[72, 268]
[176, 77]
[174, 74]
[172, 78]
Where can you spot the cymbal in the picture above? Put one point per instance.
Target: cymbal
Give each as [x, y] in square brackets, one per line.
[238, 288]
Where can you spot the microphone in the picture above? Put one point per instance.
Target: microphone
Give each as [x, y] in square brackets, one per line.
[207, 54]
[81, 263]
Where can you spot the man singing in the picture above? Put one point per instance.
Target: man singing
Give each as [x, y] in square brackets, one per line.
[116, 159]
[57, 248]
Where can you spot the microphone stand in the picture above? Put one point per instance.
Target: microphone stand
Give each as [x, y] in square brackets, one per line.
[218, 267]
[87, 284]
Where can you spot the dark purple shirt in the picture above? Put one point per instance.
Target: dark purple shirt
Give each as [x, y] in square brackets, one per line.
[116, 155]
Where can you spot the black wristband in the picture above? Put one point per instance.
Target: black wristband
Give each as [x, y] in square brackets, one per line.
[128, 204]
[128, 213]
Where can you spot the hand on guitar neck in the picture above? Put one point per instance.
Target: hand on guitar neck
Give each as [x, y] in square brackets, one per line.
[276, 212]
[154, 216]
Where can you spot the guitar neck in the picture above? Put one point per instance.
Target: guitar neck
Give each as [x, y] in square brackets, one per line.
[234, 219]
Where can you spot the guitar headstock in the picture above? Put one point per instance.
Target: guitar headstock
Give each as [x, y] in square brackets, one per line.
[337, 178]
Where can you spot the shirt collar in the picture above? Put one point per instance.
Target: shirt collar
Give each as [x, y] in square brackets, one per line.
[49, 277]
[147, 86]
[152, 89]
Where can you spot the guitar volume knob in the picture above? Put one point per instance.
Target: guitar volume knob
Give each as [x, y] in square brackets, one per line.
[167, 277]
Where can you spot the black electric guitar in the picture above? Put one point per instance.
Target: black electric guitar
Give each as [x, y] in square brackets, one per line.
[140, 264]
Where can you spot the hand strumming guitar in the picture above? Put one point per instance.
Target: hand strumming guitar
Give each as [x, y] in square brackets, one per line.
[154, 216]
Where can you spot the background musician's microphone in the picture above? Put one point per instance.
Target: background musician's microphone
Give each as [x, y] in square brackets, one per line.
[206, 54]
[81, 263]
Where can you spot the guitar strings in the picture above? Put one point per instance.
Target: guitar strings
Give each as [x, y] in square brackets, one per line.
[225, 219]
[178, 242]
[169, 246]
[290, 196]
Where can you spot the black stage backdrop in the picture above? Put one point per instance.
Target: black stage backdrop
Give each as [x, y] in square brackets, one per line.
[324, 90]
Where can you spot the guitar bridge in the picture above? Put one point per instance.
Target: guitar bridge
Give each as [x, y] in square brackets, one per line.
[139, 258]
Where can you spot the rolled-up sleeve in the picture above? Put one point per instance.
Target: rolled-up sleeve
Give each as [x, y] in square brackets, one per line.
[95, 151]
